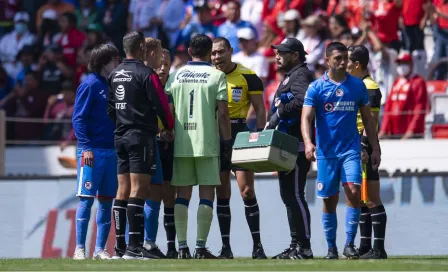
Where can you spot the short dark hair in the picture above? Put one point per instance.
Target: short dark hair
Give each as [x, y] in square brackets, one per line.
[200, 46]
[132, 42]
[34, 74]
[236, 2]
[335, 46]
[224, 40]
[360, 54]
[100, 56]
[70, 17]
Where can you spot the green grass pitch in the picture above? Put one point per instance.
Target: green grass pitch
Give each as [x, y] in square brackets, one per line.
[415, 263]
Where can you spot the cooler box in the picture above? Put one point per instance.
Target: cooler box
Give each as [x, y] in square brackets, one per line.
[266, 151]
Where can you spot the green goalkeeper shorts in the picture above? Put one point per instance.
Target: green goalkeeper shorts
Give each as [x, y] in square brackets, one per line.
[190, 171]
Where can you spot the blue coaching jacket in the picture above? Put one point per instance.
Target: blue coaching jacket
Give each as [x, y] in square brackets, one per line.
[93, 128]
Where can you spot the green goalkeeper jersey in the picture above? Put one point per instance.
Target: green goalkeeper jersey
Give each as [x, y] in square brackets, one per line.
[195, 89]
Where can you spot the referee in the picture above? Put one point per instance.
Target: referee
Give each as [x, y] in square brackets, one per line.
[285, 116]
[136, 98]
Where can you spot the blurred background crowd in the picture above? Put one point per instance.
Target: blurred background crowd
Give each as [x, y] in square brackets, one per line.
[45, 45]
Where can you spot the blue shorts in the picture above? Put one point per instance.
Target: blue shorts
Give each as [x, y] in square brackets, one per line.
[158, 177]
[101, 178]
[330, 172]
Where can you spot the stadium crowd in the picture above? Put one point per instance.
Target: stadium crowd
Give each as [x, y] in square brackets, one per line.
[45, 45]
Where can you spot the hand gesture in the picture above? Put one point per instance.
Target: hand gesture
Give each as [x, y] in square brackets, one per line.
[376, 159]
[310, 149]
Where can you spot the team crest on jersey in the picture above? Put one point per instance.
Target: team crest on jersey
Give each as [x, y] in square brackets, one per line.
[286, 81]
[237, 93]
[88, 185]
[320, 186]
[339, 92]
[328, 106]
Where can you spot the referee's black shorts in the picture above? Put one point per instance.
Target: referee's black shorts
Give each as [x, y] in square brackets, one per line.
[136, 152]
[238, 125]
[371, 174]
[166, 152]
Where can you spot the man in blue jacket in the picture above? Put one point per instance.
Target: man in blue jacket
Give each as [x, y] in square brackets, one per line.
[97, 161]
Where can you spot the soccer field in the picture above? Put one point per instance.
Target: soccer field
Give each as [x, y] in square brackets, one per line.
[421, 263]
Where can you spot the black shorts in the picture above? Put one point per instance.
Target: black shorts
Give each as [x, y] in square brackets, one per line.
[166, 151]
[237, 127]
[371, 174]
[136, 152]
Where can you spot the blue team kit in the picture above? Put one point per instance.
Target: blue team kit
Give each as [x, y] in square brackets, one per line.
[338, 143]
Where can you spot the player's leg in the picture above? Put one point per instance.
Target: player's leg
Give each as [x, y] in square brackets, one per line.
[246, 181]
[378, 215]
[152, 208]
[88, 184]
[184, 178]
[121, 200]
[142, 160]
[106, 192]
[351, 177]
[169, 197]
[328, 189]
[207, 172]
[365, 230]
[223, 194]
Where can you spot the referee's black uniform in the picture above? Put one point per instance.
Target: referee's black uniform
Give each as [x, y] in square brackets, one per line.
[292, 184]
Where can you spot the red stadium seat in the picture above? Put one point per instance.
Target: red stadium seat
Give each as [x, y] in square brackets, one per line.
[439, 131]
[437, 86]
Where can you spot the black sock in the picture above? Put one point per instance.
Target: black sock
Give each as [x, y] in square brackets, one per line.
[253, 219]
[224, 219]
[379, 220]
[365, 228]
[136, 222]
[292, 228]
[120, 218]
[170, 228]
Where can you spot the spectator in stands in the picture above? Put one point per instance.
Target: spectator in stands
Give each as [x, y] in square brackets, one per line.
[168, 21]
[56, 5]
[83, 59]
[181, 57]
[7, 11]
[337, 25]
[27, 60]
[6, 85]
[291, 24]
[54, 70]
[49, 32]
[86, 14]
[203, 24]
[14, 41]
[386, 17]
[406, 105]
[251, 12]
[72, 39]
[113, 18]
[414, 20]
[60, 108]
[140, 15]
[439, 19]
[233, 23]
[313, 41]
[249, 57]
[26, 102]
[271, 88]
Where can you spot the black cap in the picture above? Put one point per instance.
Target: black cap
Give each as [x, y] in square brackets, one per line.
[290, 45]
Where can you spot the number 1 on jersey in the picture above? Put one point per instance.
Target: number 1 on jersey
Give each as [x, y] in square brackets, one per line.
[191, 104]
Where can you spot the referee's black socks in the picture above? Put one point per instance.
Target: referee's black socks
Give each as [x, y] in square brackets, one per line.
[365, 229]
[379, 220]
[136, 222]
[120, 209]
[253, 218]
[170, 228]
[224, 219]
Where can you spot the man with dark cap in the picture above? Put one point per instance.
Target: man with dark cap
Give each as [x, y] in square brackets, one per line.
[285, 116]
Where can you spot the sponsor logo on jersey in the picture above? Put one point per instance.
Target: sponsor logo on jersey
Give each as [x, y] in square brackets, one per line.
[124, 76]
[237, 93]
[188, 76]
[328, 106]
[119, 92]
[340, 106]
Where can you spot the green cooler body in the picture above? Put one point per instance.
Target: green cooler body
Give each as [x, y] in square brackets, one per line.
[266, 151]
